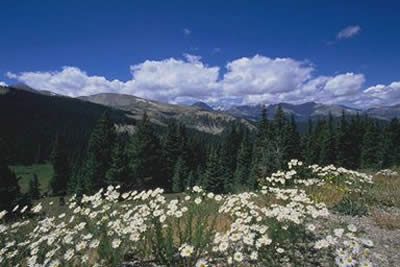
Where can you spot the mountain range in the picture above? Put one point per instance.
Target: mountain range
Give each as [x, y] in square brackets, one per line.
[203, 117]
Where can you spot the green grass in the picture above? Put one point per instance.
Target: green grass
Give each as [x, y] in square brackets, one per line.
[43, 171]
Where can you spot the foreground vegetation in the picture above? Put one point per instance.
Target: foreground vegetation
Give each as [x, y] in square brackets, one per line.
[44, 172]
[281, 224]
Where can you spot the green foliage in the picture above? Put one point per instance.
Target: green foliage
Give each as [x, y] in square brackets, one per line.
[62, 171]
[214, 173]
[44, 173]
[370, 146]
[180, 175]
[34, 188]
[99, 154]
[352, 204]
[143, 151]
[119, 172]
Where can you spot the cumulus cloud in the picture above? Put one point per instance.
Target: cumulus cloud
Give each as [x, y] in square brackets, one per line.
[187, 31]
[381, 94]
[2, 83]
[348, 32]
[70, 81]
[165, 80]
[247, 80]
[261, 74]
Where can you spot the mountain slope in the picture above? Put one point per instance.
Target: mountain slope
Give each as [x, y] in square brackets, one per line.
[30, 122]
[203, 106]
[384, 113]
[192, 116]
[302, 112]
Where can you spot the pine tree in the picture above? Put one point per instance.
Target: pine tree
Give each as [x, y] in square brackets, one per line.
[328, 145]
[180, 174]
[119, 172]
[99, 154]
[170, 150]
[228, 154]
[144, 154]
[293, 140]
[214, 174]
[343, 142]
[307, 144]
[34, 188]
[243, 163]
[62, 172]
[369, 157]
[9, 188]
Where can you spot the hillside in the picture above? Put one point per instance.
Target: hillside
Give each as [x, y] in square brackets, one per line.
[30, 122]
[160, 113]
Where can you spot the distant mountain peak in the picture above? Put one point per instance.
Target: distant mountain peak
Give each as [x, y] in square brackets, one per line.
[202, 105]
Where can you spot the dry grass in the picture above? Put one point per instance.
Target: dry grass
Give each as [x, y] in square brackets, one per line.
[330, 194]
[385, 191]
[385, 220]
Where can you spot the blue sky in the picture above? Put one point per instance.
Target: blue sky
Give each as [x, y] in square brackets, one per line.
[221, 52]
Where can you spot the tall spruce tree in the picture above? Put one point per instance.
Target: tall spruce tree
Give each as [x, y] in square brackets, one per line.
[214, 173]
[170, 150]
[243, 163]
[34, 188]
[180, 175]
[62, 171]
[328, 145]
[369, 150]
[293, 141]
[9, 188]
[119, 172]
[144, 154]
[99, 154]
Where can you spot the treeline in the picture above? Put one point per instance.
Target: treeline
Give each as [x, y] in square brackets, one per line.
[232, 162]
[176, 158]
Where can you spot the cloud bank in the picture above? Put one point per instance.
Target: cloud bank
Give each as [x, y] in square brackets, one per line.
[2, 83]
[247, 80]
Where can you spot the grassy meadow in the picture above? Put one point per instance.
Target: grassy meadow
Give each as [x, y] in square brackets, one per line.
[287, 222]
[44, 173]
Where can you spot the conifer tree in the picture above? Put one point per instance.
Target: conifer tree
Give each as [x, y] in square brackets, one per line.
[342, 141]
[119, 172]
[180, 174]
[170, 150]
[34, 188]
[307, 144]
[62, 171]
[369, 157]
[144, 154]
[99, 154]
[328, 145]
[9, 188]
[214, 174]
[242, 172]
[293, 140]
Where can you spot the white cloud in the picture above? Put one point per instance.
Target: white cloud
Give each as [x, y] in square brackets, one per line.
[71, 81]
[187, 31]
[171, 78]
[348, 32]
[2, 83]
[164, 80]
[248, 80]
[345, 84]
[382, 94]
[261, 74]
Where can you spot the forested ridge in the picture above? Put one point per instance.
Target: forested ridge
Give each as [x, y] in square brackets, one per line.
[87, 152]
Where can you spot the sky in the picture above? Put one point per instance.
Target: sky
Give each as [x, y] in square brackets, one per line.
[219, 52]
